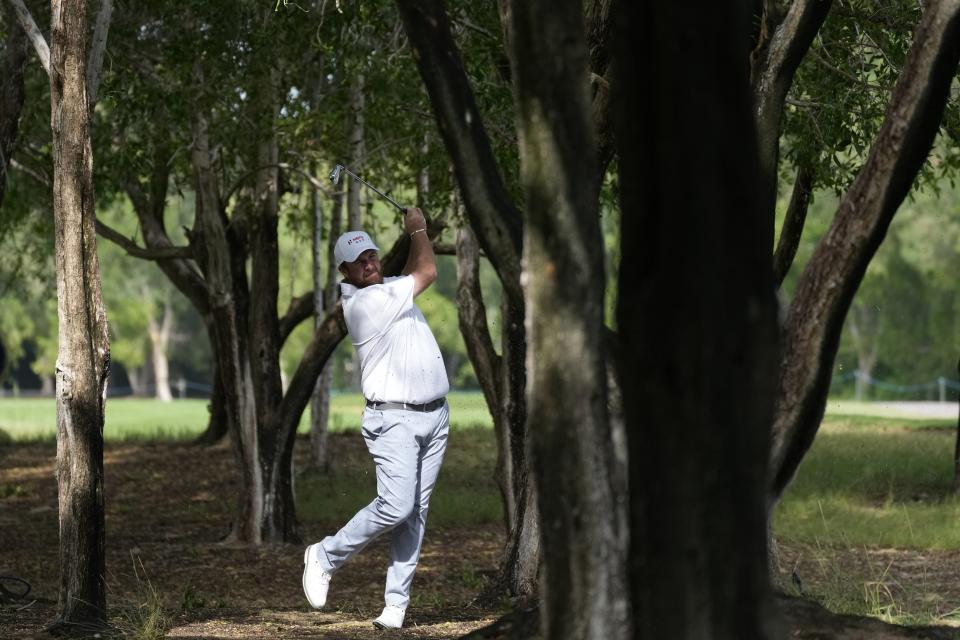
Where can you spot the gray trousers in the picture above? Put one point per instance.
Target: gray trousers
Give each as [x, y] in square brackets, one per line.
[407, 449]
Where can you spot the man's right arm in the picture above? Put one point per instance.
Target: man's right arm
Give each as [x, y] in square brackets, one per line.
[421, 263]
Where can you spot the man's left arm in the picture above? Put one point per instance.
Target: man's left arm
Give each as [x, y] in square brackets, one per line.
[421, 263]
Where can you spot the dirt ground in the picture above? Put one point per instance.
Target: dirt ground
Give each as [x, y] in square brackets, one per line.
[168, 506]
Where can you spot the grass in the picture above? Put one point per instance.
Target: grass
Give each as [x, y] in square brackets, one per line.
[877, 486]
[870, 488]
[34, 419]
[467, 494]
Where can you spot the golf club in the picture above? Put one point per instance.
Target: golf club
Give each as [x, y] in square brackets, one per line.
[335, 179]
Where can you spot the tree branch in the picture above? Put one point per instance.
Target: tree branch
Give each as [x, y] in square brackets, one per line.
[33, 33]
[790, 42]
[793, 224]
[301, 308]
[97, 48]
[133, 249]
[492, 214]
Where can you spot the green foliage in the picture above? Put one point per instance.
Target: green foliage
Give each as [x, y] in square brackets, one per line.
[842, 89]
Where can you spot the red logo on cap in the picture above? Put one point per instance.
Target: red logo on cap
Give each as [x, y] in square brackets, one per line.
[355, 239]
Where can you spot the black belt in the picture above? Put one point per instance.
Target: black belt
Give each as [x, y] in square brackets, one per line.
[406, 406]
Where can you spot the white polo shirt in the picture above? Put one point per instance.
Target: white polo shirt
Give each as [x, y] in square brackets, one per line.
[400, 360]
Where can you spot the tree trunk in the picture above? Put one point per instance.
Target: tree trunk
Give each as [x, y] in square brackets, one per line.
[835, 270]
[864, 323]
[521, 560]
[159, 343]
[793, 223]
[355, 131]
[320, 401]
[13, 64]
[264, 510]
[956, 453]
[217, 425]
[772, 80]
[472, 314]
[83, 357]
[582, 587]
[697, 352]
[498, 226]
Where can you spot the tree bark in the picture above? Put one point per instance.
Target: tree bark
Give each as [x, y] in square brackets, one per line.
[12, 93]
[355, 132]
[956, 453]
[834, 273]
[698, 360]
[472, 314]
[582, 587]
[320, 401]
[83, 357]
[793, 224]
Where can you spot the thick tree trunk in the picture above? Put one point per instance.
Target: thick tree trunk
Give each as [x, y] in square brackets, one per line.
[83, 357]
[831, 278]
[12, 94]
[583, 582]
[159, 343]
[697, 354]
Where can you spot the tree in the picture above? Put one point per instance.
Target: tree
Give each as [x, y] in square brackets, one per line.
[830, 279]
[696, 292]
[496, 221]
[13, 63]
[570, 446]
[83, 357]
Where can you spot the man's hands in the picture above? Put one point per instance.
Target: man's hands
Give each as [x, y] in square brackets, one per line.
[414, 220]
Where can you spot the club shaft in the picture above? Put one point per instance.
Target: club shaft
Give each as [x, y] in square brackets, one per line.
[370, 186]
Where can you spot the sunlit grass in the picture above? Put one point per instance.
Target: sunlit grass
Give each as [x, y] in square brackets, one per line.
[31, 419]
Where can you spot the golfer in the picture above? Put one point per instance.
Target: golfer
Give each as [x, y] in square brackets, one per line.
[406, 419]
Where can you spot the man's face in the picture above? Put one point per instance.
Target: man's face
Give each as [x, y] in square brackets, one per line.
[364, 271]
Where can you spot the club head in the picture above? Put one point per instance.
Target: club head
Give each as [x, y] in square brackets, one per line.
[335, 174]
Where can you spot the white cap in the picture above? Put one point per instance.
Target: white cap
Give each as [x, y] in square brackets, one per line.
[350, 245]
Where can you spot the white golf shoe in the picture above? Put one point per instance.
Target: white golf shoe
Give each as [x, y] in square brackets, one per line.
[391, 618]
[316, 581]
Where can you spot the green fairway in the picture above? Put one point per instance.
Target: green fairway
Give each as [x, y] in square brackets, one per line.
[23, 419]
